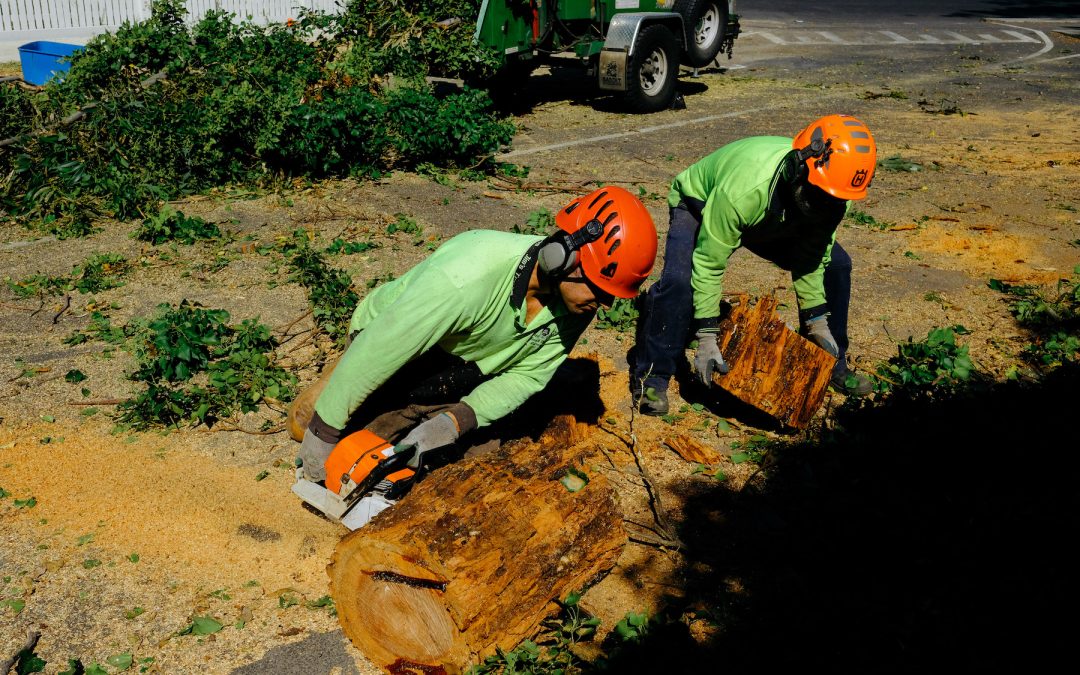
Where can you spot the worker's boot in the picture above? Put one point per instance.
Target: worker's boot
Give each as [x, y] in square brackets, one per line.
[851, 383]
[653, 402]
[303, 406]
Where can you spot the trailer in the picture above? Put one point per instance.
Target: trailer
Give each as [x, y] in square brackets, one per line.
[633, 48]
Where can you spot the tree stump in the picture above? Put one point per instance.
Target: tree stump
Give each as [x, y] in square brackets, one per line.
[773, 368]
[472, 558]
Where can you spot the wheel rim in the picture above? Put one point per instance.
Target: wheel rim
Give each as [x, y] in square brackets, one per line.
[654, 72]
[707, 30]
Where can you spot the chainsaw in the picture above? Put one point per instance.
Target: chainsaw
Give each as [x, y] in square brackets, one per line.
[364, 476]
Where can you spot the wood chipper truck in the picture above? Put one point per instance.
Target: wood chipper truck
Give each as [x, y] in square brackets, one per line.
[633, 47]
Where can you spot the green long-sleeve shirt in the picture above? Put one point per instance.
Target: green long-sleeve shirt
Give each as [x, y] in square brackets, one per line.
[737, 184]
[467, 298]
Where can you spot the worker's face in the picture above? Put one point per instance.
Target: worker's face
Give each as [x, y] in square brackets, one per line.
[815, 203]
[580, 296]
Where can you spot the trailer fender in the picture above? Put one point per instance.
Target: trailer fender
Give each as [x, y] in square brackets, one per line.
[621, 38]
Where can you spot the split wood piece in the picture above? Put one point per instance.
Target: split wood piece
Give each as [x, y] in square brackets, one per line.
[773, 368]
[473, 556]
[693, 450]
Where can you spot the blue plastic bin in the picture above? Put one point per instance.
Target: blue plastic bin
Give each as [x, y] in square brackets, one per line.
[41, 60]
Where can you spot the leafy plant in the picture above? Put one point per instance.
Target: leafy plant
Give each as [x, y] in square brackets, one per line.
[937, 363]
[540, 222]
[350, 247]
[552, 650]
[329, 290]
[1052, 315]
[863, 218]
[171, 225]
[898, 163]
[164, 109]
[622, 316]
[178, 343]
[95, 274]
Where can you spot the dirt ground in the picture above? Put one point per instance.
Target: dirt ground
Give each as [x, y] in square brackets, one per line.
[180, 525]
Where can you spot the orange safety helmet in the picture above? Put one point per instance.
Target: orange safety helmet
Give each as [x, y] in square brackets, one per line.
[610, 234]
[840, 155]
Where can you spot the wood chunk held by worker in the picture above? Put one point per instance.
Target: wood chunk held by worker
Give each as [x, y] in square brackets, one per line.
[773, 368]
[472, 558]
[693, 450]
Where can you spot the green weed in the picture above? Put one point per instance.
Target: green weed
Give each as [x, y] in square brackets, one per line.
[1053, 316]
[622, 316]
[936, 364]
[97, 273]
[540, 222]
[329, 290]
[170, 225]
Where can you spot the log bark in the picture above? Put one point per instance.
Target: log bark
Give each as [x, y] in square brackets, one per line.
[773, 368]
[472, 558]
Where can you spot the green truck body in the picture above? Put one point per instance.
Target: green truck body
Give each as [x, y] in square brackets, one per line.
[634, 47]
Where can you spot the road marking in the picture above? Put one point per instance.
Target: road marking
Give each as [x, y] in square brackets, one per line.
[636, 132]
[768, 36]
[831, 37]
[888, 37]
[962, 39]
[897, 38]
[1020, 36]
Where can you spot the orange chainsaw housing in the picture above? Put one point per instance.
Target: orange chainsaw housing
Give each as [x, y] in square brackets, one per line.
[356, 455]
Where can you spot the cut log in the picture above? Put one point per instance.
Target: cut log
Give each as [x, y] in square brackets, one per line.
[472, 558]
[773, 368]
[693, 450]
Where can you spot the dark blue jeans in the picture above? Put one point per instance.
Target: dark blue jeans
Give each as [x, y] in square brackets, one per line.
[668, 307]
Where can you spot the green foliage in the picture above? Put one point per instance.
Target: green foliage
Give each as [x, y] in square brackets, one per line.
[552, 651]
[178, 109]
[97, 273]
[170, 225]
[340, 246]
[177, 344]
[622, 316]
[936, 364]
[404, 224]
[1053, 316]
[329, 290]
[540, 222]
[861, 218]
[898, 163]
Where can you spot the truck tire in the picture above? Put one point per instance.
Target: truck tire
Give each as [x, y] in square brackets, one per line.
[705, 22]
[653, 70]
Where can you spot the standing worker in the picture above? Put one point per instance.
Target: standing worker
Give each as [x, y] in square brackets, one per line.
[474, 330]
[782, 199]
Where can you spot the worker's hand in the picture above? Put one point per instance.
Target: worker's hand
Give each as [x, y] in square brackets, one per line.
[708, 359]
[313, 454]
[817, 329]
[437, 432]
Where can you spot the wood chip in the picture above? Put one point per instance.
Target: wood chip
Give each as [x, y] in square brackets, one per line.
[693, 450]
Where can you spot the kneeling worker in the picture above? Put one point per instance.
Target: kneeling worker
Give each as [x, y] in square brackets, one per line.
[475, 329]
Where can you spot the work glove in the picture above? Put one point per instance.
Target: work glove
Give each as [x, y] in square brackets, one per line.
[313, 454]
[708, 359]
[437, 432]
[817, 329]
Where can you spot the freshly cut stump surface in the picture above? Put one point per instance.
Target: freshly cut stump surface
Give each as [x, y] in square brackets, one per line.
[474, 556]
[773, 368]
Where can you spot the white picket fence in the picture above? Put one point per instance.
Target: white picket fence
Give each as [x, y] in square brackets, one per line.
[101, 15]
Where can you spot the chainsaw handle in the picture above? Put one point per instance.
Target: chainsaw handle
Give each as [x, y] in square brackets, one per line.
[399, 460]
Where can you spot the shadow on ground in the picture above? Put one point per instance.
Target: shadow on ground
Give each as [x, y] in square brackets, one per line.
[924, 536]
[318, 653]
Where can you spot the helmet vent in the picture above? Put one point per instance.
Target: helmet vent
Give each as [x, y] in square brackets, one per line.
[609, 270]
[618, 242]
[598, 198]
[570, 209]
[613, 231]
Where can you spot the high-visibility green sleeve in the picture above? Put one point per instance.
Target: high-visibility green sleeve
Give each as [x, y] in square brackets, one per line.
[720, 235]
[408, 327]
